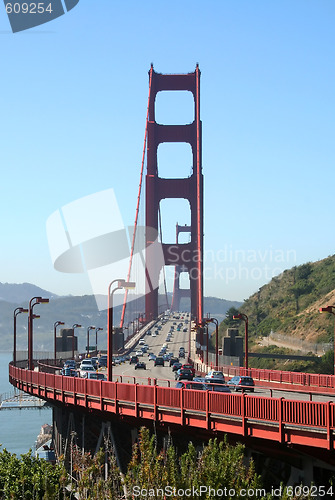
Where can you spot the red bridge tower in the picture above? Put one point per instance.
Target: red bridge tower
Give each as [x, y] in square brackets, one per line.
[188, 255]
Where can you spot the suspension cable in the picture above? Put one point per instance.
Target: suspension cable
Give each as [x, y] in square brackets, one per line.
[138, 202]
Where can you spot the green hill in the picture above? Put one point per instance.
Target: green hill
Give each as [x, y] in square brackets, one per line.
[289, 305]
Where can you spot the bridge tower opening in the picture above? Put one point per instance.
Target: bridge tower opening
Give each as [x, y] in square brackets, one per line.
[187, 256]
[178, 292]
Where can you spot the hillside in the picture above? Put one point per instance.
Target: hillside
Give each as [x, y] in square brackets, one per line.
[290, 304]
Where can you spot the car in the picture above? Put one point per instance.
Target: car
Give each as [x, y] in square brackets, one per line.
[176, 366]
[152, 356]
[139, 353]
[70, 363]
[153, 335]
[84, 363]
[217, 387]
[184, 329]
[159, 361]
[140, 366]
[173, 360]
[94, 376]
[186, 384]
[133, 360]
[67, 371]
[103, 361]
[184, 373]
[215, 374]
[182, 354]
[239, 383]
[141, 341]
[85, 369]
[189, 367]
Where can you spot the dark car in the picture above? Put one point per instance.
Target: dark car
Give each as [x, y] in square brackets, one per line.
[241, 384]
[173, 360]
[102, 361]
[186, 384]
[217, 387]
[133, 360]
[68, 371]
[189, 367]
[176, 366]
[159, 361]
[70, 363]
[184, 373]
[140, 366]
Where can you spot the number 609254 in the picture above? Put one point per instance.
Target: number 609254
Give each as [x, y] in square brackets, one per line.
[28, 8]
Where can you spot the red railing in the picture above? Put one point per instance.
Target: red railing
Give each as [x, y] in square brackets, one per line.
[297, 422]
[276, 376]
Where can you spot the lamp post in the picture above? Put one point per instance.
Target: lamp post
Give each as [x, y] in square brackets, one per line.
[17, 311]
[96, 338]
[76, 325]
[215, 321]
[121, 284]
[244, 317]
[329, 309]
[88, 338]
[32, 303]
[55, 342]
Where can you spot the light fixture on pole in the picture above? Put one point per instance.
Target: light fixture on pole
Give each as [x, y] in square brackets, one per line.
[76, 325]
[121, 284]
[88, 339]
[215, 321]
[33, 302]
[329, 309]
[17, 311]
[55, 338]
[96, 337]
[244, 317]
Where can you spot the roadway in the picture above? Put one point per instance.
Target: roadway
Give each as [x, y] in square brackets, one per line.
[178, 339]
[126, 372]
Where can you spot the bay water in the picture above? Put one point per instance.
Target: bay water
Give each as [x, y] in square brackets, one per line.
[19, 428]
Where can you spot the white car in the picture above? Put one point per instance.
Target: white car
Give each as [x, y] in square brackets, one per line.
[215, 374]
[141, 341]
[138, 353]
[85, 363]
[87, 368]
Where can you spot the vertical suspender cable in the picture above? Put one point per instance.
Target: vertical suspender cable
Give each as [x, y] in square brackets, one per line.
[164, 277]
[199, 200]
[138, 203]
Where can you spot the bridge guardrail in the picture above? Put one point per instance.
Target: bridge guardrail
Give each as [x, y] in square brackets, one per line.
[297, 422]
[276, 376]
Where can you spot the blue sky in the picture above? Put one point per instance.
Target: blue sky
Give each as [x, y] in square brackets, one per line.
[73, 106]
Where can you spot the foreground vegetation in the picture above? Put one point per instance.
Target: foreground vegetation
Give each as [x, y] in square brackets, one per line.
[218, 470]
